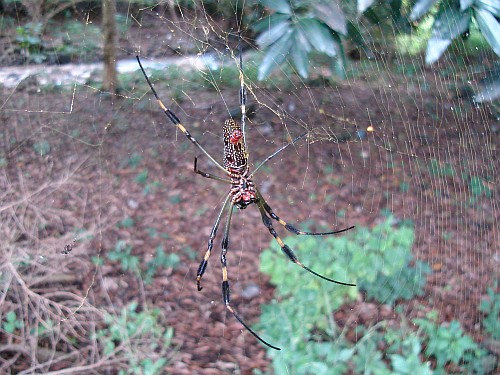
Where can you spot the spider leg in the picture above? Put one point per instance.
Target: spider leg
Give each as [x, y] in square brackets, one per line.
[213, 233]
[276, 153]
[208, 175]
[290, 227]
[225, 282]
[175, 120]
[288, 252]
[243, 91]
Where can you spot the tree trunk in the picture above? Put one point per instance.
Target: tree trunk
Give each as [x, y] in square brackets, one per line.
[109, 31]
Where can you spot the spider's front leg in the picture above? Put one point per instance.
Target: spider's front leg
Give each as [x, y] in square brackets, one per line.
[225, 282]
[208, 175]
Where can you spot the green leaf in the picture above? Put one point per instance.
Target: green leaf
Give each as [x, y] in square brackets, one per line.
[318, 35]
[489, 27]
[42, 148]
[266, 23]
[364, 5]
[492, 6]
[465, 4]
[275, 32]
[332, 15]
[276, 55]
[338, 64]
[281, 6]
[449, 24]
[299, 56]
[420, 8]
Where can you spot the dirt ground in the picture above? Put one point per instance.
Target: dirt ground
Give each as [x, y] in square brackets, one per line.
[87, 180]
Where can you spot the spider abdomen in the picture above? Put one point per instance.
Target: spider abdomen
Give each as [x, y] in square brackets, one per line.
[235, 151]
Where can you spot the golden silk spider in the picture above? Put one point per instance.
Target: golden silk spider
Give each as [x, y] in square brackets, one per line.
[242, 193]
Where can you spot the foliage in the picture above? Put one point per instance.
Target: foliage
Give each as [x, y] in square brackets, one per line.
[404, 351]
[302, 315]
[403, 284]
[12, 323]
[78, 40]
[490, 306]
[294, 29]
[376, 256]
[438, 169]
[42, 147]
[478, 186]
[134, 160]
[379, 349]
[29, 40]
[378, 259]
[139, 336]
[123, 253]
[142, 177]
[160, 261]
[454, 18]
[447, 343]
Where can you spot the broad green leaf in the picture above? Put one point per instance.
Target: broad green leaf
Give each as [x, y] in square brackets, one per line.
[299, 57]
[364, 5]
[490, 88]
[449, 24]
[489, 27]
[281, 6]
[420, 8]
[276, 55]
[267, 22]
[303, 40]
[319, 36]
[275, 32]
[338, 64]
[332, 15]
[492, 6]
[465, 4]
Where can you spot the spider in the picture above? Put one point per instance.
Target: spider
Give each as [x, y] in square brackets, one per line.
[242, 193]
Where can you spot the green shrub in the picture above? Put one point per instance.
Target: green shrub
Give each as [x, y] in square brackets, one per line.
[29, 39]
[123, 253]
[161, 260]
[447, 343]
[302, 314]
[491, 308]
[139, 337]
[403, 284]
[378, 259]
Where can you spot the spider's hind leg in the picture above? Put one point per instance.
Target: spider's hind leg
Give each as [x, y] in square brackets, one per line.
[225, 281]
[290, 227]
[203, 265]
[286, 249]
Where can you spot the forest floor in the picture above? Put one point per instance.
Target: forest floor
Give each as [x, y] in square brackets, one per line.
[115, 168]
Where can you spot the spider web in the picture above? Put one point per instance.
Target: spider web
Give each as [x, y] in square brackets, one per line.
[107, 179]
